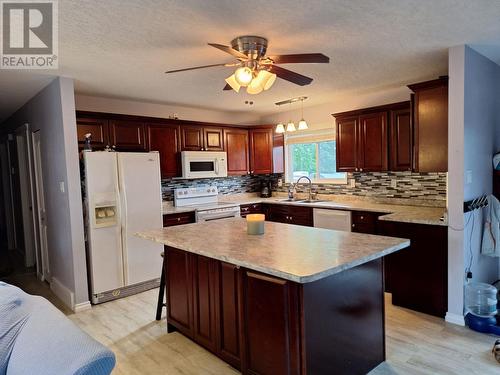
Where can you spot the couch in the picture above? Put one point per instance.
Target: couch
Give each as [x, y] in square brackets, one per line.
[36, 338]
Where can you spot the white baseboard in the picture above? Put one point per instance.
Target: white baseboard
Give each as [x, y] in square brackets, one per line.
[65, 295]
[455, 319]
[82, 306]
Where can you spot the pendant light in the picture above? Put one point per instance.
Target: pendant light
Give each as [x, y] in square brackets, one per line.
[302, 123]
[290, 126]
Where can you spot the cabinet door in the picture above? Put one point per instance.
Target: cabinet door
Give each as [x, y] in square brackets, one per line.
[97, 127]
[346, 144]
[179, 290]
[213, 139]
[401, 147]
[165, 138]
[431, 128]
[278, 213]
[261, 151]
[236, 144]
[373, 143]
[278, 153]
[127, 135]
[192, 138]
[300, 215]
[204, 304]
[228, 344]
[271, 325]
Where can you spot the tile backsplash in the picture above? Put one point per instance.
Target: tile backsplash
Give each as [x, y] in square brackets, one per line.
[228, 185]
[408, 185]
[428, 186]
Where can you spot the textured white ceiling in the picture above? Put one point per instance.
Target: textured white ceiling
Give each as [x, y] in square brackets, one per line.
[120, 48]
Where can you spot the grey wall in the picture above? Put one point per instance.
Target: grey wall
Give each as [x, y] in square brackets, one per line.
[52, 111]
[481, 120]
[474, 113]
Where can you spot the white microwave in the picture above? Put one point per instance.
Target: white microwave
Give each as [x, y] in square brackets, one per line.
[203, 164]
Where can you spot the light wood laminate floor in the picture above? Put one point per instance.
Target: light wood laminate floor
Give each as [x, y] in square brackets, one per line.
[416, 343]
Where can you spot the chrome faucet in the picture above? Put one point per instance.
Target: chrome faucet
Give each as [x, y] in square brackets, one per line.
[310, 185]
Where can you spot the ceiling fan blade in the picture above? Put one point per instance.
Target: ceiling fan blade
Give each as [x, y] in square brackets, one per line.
[227, 87]
[229, 50]
[300, 58]
[196, 67]
[288, 75]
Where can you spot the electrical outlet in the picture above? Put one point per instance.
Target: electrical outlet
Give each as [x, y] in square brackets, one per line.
[61, 187]
[468, 177]
[280, 182]
[394, 183]
[352, 183]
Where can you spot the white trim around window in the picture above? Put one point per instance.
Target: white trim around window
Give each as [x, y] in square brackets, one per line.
[324, 135]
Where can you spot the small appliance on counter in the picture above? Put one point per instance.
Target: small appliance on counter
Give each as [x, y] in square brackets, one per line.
[265, 190]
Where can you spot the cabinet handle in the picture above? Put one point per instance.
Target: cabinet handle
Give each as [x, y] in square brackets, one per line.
[286, 217]
[356, 169]
[362, 217]
[291, 218]
[361, 169]
[353, 225]
[178, 219]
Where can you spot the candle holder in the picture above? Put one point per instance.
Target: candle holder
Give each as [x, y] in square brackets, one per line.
[255, 223]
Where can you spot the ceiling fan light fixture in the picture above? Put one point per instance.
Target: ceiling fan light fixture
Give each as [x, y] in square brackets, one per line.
[280, 128]
[231, 81]
[255, 87]
[243, 76]
[270, 79]
[290, 127]
[303, 125]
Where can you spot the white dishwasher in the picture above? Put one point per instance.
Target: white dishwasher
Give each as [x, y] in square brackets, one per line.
[332, 219]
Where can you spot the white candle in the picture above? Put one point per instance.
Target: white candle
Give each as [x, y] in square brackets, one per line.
[255, 223]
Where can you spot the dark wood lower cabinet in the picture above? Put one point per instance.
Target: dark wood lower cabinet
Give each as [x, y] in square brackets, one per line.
[271, 321]
[417, 276]
[290, 214]
[265, 325]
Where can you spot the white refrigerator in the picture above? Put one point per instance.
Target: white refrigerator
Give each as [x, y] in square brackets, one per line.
[123, 196]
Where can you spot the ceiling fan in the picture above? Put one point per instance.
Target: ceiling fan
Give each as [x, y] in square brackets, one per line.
[255, 70]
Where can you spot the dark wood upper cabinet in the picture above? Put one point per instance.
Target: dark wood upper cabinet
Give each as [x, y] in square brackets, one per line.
[127, 135]
[213, 139]
[236, 146]
[192, 138]
[372, 146]
[374, 139]
[347, 144]
[261, 151]
[199, 138]
[278, 153]
[431, 125]
[401, 140]
[95, 126]
[165, 138]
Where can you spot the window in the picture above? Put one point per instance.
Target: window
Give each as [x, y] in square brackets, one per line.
[314, 157]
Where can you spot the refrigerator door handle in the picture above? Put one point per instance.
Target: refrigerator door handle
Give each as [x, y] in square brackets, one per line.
[123, 215]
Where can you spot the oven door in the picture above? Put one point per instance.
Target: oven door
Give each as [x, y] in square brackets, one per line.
[211, 216]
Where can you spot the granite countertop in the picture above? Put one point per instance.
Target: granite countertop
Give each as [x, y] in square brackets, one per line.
[394, 212]
[292, 252]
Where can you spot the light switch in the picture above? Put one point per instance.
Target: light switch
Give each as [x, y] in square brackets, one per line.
[468, 176]
[61, 187]
[394, 183]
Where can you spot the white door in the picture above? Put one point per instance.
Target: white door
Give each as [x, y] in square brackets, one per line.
[43, 267]
[140, 191]
[103, 234]
[7, 194]
[23, 156]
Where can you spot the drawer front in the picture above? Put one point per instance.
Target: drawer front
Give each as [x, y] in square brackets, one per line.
[301, 215]
[178, 219]
[368, 228]
[255, 208]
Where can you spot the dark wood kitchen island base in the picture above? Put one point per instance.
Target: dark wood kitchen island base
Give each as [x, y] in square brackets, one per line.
[265, 325]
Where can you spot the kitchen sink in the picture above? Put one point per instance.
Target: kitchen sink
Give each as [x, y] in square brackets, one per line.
[311, 201]
[288, 200]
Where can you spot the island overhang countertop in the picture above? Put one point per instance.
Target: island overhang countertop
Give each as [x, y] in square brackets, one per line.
[292, 252]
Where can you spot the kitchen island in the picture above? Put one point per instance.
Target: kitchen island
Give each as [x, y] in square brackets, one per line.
[296, 300]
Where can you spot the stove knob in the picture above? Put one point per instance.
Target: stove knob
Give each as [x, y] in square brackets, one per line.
[213, 190]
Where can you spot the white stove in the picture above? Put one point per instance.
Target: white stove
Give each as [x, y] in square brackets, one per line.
[206, 202]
